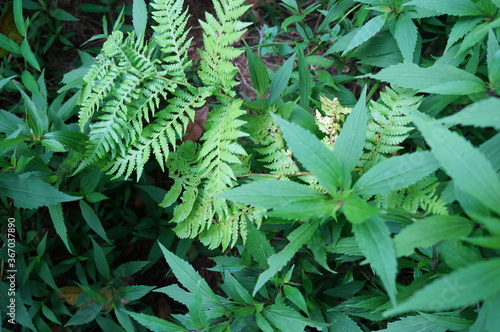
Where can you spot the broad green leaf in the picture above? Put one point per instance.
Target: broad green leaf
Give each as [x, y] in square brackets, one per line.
[349, 144]
[357, 210]
[258, 245]
[450, 7]
[101, 262]
[18, 17]
[396, 173]
[297, 239]
[460, 29]
[235, 290]
[287, 319]
[56, 214]
[456, 255]
[341, 322]
[429, 231]
[492, 242]
[92, 220]
[313, 154]
[449, 323]
[413, 324]
[316, 208]
[8, 44]
[28, 54]
[467, 286]
[305, 79]
[258, 72]
[139, 17]
[30, 192]
[280, 80]
[488, 319]
[271, 193]
[375, 242]
[72, 139]
[197, 312]
[296, 297]
[484, 113]
[439, 78]
[86, 314]
[466, 165]
[123, 318]
[135, 292]
[9, 143]
[108, 324]
[129, 268]
[477, 34]
[262, 323]
[188, 277]
[155, 324]
[368, 30]
[405, 33]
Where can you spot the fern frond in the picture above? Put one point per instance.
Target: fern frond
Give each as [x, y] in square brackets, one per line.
[389, 125]
[219, 33]
[220, 147]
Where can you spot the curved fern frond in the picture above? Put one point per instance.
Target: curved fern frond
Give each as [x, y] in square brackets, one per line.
[219, 33]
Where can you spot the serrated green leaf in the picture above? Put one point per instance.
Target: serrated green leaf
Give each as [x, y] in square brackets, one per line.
[101, 262]
[235, 290]
[368, 30]
[262, 323]
[154, 323]
[357, 210]
[488, 319]
[197, 312]
[375, 242]
[258, 72]
[449, 323]
[483, 113]
[72, 139]
[450, 7]
[188, 277]
[460, 29]
[297, 238]
[46, 275]
[93, 220]
[296, 297]
[258, 245]
[429, 231]
[172, 195]
[439, 78]
[396, 173]
[287, 319]
[9, 143]
[271, 193]
[86, 314]
[129, 268]
[308, 209]
[139, 17]
[28, 54]
[30, 192]
[464, 163]
[280, 80]
[463, 287]
[413, 324]
[341, 322]
[305, 86]
[405, 33]
[313, 154]
[135, 292]
[349, 144]
[457, 256]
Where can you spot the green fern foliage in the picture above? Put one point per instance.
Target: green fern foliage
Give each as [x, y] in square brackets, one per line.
[217, 70]
[389, 126]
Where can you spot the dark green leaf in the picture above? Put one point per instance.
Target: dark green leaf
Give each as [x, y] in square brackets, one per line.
[280, 80]
[357, 210]
[466, 165]
[258, 72]
[297, 238]
[258, 245]
[313, 154]
[305, 81]
[413, 324]
[29, 191]
[463, 287]
[405, 33]
[450, 7]
[396, 173]
[101, 262]
[488, 319]
[368, 30]
[235, 290]
[86, 314]
[135, 292]
[341, 322]
[483, 113]
[287, 319]
[93, 220]
[154, 323]
[296, 297]
[429, 231]
[375, 242]
[271, 193]
[351, 140]
[439, 78]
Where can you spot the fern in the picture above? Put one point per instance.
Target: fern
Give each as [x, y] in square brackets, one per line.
[387, 130]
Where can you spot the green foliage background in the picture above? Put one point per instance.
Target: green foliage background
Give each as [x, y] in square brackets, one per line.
[354, 187]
